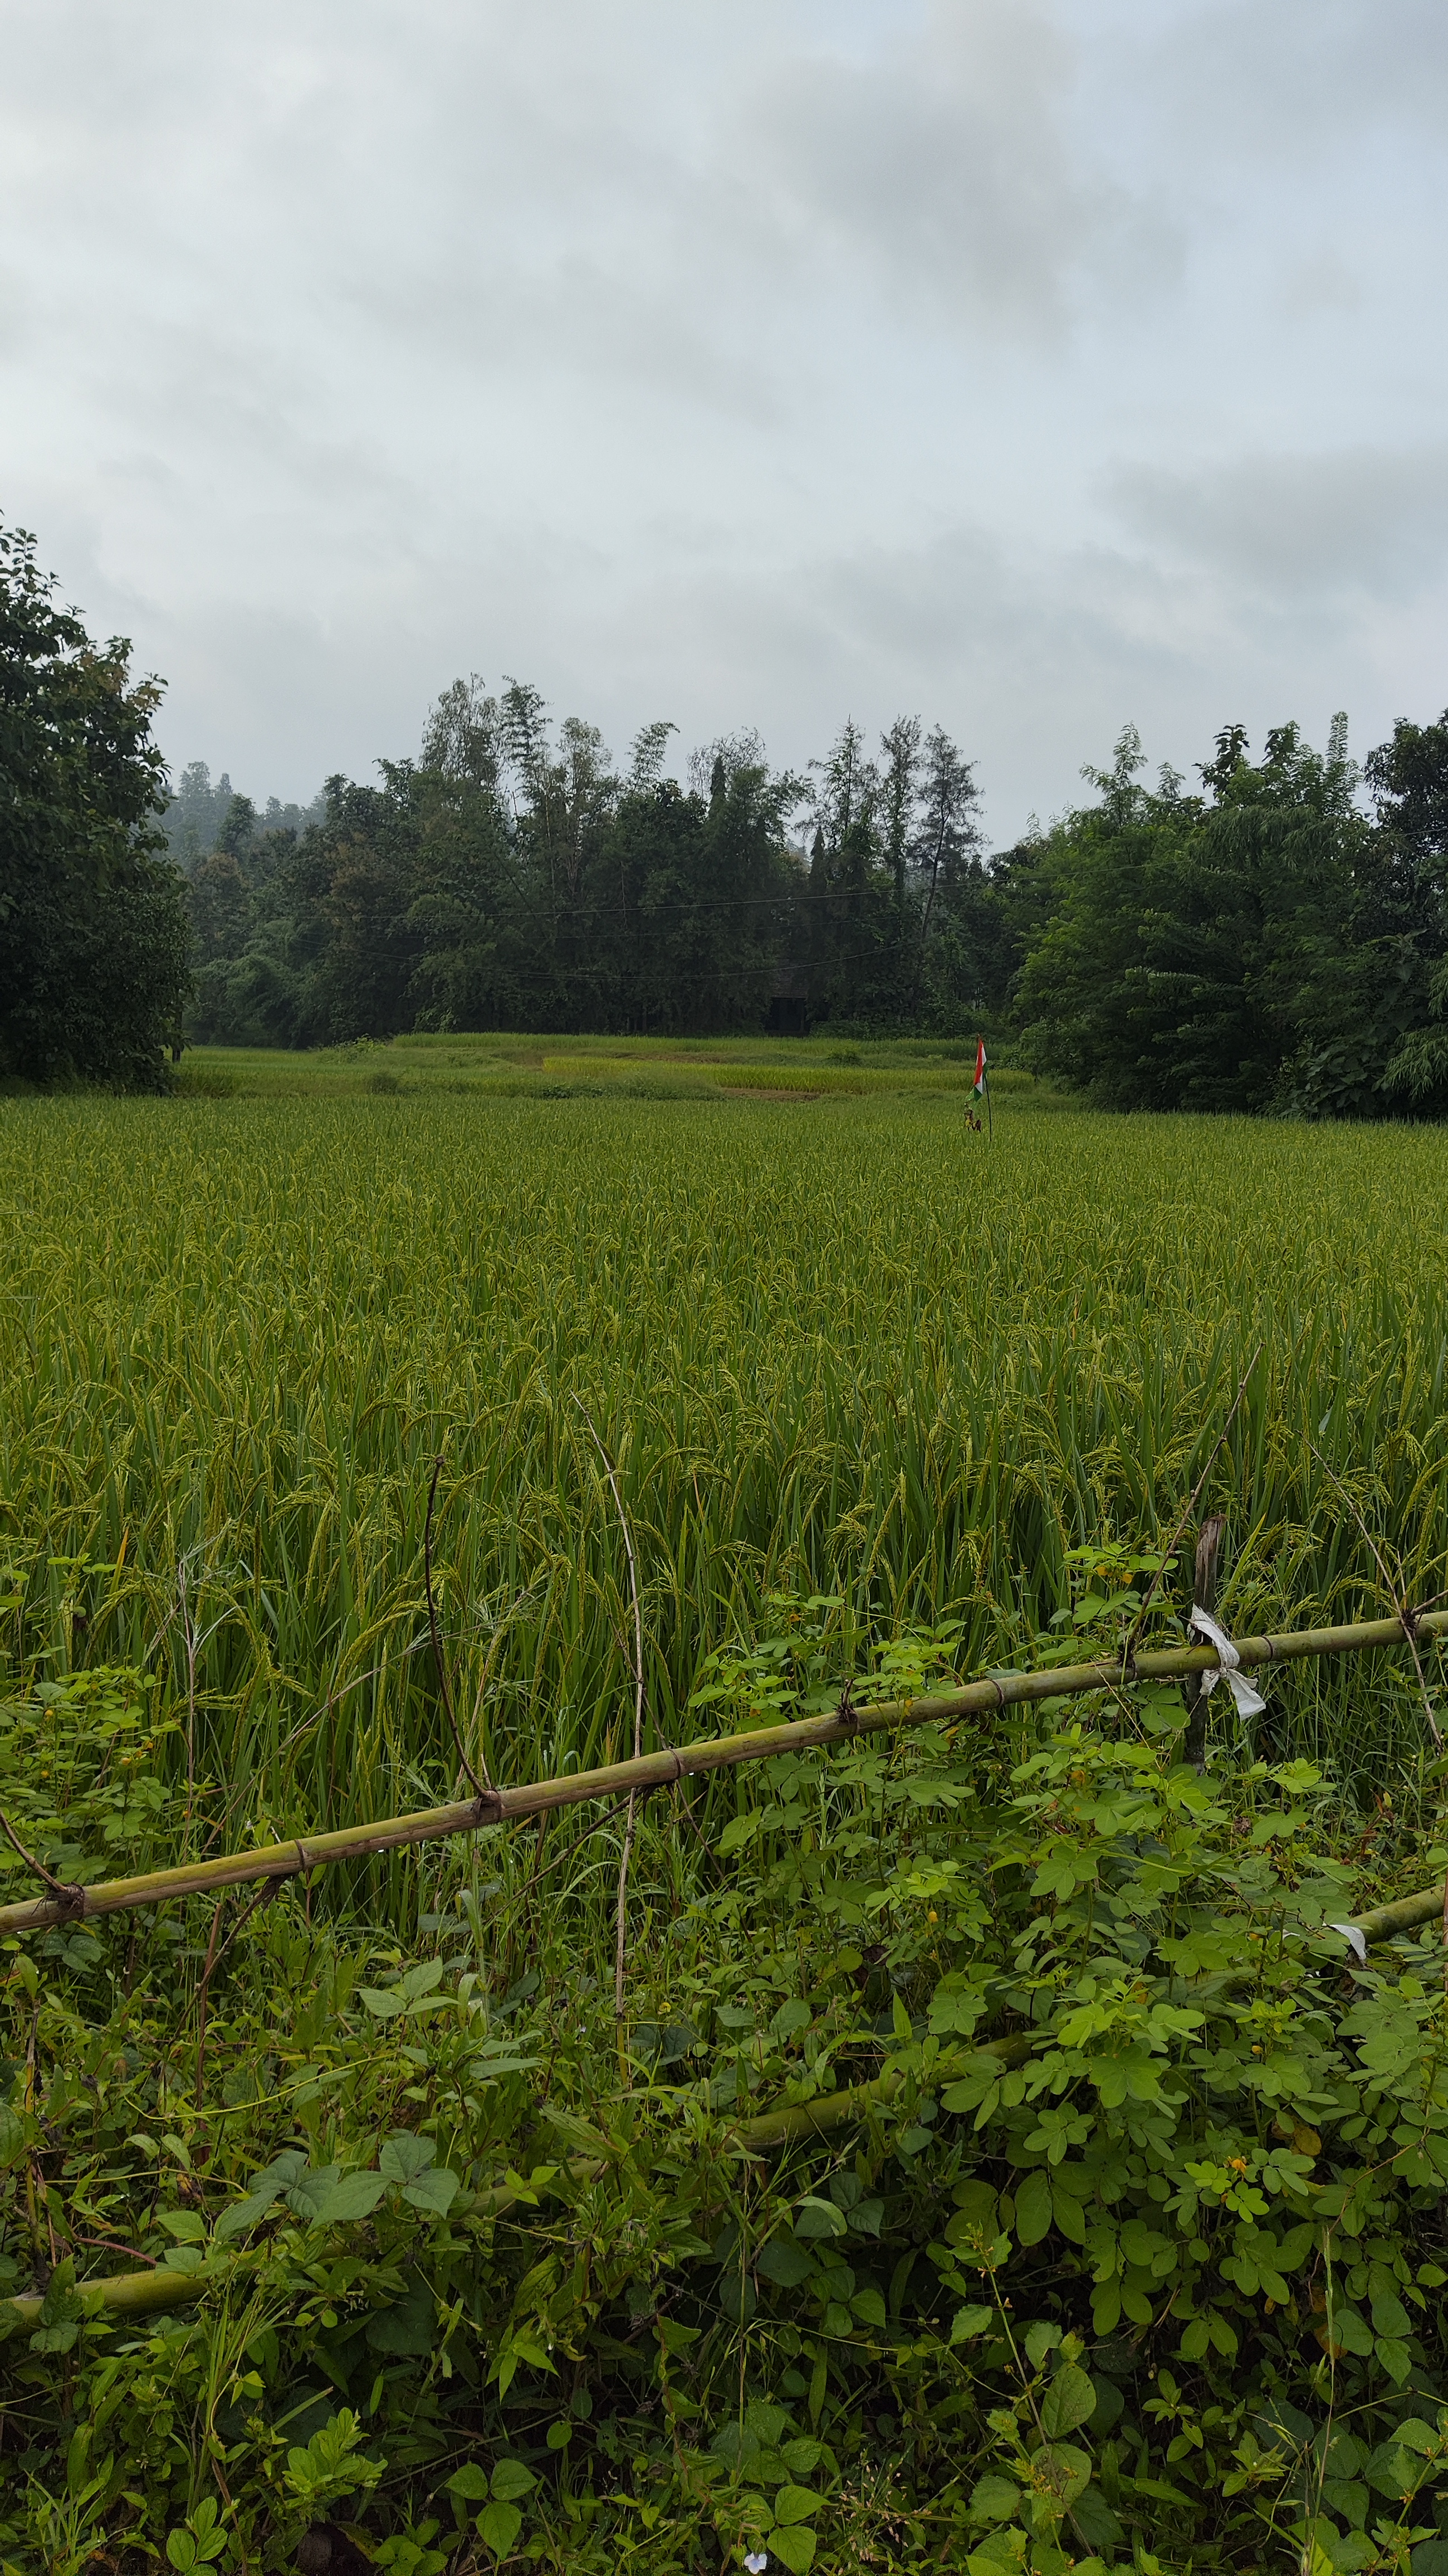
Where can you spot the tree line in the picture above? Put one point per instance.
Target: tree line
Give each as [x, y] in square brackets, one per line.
[512, 877]
[1273, 938]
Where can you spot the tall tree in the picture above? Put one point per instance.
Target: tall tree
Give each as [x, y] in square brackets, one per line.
[1408, 901]
[1181, 962]
[93, 930]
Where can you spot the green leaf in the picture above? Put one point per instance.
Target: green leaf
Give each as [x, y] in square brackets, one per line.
[1068, 2213]
[796, 2504]
[243, 2214]
[1096, 2522]
[353, 2195]
[184, 2224]
[1033, 2207]
[785, 2262]
[404, 2156]
[434, 2190]
[1069, 2401]
[1003, 2553]
[410, 2327]
[865, 2217]
[979, 2079]
[794, 2547]
[57, 2338]
[498, 2526]
[1390, 2317]
[791, 2016]
[970, 2322]
[183, 2258]
[739, 1831]
[1414, 2435]
[512, 2480]
[412, 1993]
[994, 2499]
[801, 2456]
[819, 2218]
[1061, 2469]
[469, 2483]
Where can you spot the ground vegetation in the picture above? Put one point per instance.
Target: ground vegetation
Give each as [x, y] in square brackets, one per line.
[1134, 2256]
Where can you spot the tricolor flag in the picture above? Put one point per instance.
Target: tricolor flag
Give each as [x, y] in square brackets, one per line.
[979, 1066]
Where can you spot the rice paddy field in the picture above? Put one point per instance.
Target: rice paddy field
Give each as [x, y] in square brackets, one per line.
[977, 2149]
[837, 1344]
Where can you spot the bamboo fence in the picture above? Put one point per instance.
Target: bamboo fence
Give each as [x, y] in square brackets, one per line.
[615, 1780]
[136, 2293]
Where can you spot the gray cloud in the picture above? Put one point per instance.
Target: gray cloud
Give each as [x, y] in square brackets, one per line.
[1305, 527]
[744, 365]
[943, 170]
[1301, 74]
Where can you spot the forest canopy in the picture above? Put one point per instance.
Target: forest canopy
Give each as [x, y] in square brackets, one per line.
[1273, 939]
[511, 877]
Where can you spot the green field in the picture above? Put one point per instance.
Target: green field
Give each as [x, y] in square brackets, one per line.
[493, 2279]
[838, 1344]
[582, 1068]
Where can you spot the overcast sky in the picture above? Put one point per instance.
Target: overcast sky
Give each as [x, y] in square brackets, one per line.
[1030, 364]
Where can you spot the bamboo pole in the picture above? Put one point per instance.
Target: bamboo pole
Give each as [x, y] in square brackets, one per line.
[1404, 1914]
[127, 2294]
[616, 1780]
[135, 2293]
[138, 2293]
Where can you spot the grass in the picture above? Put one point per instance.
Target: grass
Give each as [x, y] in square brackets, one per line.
[585, 1068]
[838, 1344]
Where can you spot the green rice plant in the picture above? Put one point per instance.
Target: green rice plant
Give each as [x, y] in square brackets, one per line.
[842, 1347]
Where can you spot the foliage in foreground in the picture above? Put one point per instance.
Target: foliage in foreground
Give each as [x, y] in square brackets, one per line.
[1156, 2283]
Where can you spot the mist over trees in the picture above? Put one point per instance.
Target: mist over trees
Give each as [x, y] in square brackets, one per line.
[198, 813]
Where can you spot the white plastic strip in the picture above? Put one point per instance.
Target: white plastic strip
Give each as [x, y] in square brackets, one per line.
[1353, 1937]
[1250, 1702]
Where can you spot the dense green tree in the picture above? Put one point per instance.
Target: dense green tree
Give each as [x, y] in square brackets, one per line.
[1084, 993]
[1260, 946]
[850, 915]
[514, 876]
[93, 932]
[1261, 942]
[1408, 778]
[963, 958]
